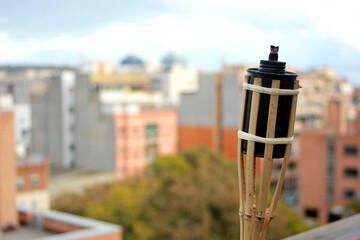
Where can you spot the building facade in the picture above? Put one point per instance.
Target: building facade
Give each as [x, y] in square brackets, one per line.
[329, 177]
[8, 214]
[112, 117]
[210, 117]
[141, 136]
[53, 119]
[32, 183]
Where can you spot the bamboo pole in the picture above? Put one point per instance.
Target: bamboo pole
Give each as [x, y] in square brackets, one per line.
[241, 165]
[268, 162]
[275, 200]
[251, 166]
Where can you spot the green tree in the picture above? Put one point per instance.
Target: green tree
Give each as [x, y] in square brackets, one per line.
[193, 195]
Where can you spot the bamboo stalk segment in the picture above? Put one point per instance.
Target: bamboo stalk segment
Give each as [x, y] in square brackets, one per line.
[250, 166]
[241, 174]
[268, 161]
[287, 154]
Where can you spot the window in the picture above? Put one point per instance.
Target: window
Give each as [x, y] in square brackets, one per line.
[351, 172]
[72, 147]
[311, 212]
[311, 215]
[121, 131]
[350, 194]
[20, 182]
[351, 150]
[151, 130]
[71, 109]
[24, 132]
[35, 180]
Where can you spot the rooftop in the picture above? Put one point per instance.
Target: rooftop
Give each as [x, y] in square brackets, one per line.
[344, 229]
[26, 232]
[55, 225]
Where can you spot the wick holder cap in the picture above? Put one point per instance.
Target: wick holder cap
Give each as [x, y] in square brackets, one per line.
[272, 65]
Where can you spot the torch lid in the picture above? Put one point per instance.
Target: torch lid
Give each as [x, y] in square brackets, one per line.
[272, 65]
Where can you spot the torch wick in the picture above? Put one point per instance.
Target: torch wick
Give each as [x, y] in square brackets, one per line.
[273, 56]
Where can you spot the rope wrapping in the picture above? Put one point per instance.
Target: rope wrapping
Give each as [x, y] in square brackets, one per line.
[271, 91]
[251, 137]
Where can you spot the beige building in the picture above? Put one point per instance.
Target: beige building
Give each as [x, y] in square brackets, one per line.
[320, 86]
[32, 183]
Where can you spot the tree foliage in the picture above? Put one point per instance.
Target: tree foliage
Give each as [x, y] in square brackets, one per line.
[352, 207]
[190, 196]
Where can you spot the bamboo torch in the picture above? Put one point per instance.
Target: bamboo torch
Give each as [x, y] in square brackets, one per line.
[265, 131]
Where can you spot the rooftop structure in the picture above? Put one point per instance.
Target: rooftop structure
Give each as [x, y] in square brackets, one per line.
[172, 60]
[131, 64]
[55, 225]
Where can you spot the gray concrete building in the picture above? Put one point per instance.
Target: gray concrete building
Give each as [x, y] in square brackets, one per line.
[16, 81]
[95, 140]
[53, 118]
[210, 117]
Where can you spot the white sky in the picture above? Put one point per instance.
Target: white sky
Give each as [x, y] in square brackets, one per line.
[205, 32]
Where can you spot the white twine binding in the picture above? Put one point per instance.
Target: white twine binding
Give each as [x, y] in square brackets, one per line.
[271, 91]
[252, 137]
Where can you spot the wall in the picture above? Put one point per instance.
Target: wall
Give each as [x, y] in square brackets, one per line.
[95, 131]
[59, 227]
[312, 170]
[197, 109]
[213, 112]
[39, 197]
[345, 161]
[47, 136]
[195, 136]
[8, 215]
[132, 155]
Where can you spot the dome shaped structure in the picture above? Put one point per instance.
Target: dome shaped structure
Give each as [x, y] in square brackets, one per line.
[132, 60]
[172, 59]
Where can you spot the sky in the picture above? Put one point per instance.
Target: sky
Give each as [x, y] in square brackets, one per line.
[206, 33]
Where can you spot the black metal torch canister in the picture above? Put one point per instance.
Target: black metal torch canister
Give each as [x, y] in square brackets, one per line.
[268, 71]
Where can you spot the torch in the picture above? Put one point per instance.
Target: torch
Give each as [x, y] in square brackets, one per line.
[265, 131]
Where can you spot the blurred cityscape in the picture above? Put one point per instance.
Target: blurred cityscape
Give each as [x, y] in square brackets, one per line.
[119, 120]
[105, 123]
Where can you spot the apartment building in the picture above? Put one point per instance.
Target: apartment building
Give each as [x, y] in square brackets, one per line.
[32, 183]
[210, 117]
[328, 166]
[141, 136]
[112, 117]
[53, 119]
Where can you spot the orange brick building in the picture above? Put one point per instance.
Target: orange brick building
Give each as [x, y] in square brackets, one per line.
[141, 136]
[328, 163]
[329, 169]
[8, 214]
